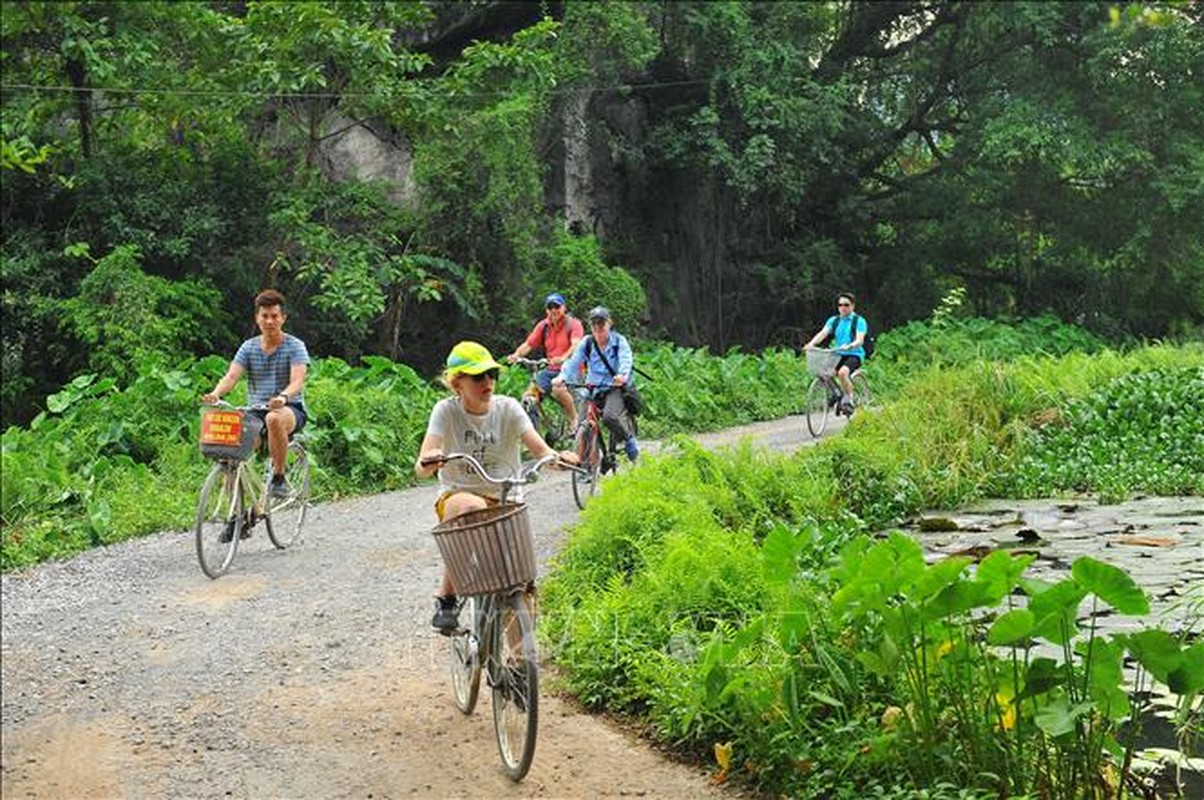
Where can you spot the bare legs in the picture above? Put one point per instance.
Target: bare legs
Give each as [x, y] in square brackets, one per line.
[565, 398]
[455, 505]
[281, 422]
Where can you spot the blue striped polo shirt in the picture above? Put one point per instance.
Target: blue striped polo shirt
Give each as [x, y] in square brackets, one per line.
[267, 375]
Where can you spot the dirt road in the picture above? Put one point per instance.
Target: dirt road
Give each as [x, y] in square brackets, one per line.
[305, 673]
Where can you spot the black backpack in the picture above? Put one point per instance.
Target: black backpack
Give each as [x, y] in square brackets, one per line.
[868, 344]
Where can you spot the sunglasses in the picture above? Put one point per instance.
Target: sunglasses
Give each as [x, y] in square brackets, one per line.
[491, 374]
[844, 304]
[550, 306]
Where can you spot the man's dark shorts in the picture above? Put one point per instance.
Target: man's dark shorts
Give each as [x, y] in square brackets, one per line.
[298, 413]
[853, 362]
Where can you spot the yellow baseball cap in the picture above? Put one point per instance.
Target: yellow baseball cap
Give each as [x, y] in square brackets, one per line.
[471, 358]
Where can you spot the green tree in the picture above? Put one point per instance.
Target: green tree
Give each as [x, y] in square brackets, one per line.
[126, 318]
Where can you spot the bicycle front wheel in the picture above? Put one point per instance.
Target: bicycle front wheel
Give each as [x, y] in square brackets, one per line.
[515, 685]
[286, 515]
[531, 406]
[555, 428]
[816, 407]
[465, 662]
[219, 520]
[585, 481]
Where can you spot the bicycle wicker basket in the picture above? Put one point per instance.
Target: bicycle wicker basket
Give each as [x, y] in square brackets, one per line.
[488, 550]
[822, 363]
[228, 434]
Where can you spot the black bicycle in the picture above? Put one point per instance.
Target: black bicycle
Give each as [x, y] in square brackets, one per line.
[490, 555]
[555, 427]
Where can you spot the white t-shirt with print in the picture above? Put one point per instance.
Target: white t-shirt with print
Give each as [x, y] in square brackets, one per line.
[493, 438]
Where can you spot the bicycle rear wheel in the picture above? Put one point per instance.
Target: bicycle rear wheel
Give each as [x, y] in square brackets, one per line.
[515, 685]
[862, 398]
[465, 663]
[816, 407]
[285, 516]
[219, 520]
[586, 483]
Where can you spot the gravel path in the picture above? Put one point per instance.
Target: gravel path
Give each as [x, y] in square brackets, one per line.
[305, 673]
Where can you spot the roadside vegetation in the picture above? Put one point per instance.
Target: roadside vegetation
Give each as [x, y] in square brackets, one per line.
[734, 603]
[113, 455]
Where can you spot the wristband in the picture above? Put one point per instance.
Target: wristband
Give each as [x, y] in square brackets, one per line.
[285, 396]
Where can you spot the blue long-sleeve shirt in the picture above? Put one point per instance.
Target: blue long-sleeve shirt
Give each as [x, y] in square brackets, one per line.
[618, 353]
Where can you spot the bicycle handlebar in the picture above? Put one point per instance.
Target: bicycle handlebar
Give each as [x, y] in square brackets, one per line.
[591, 385]
[219, 403]
[531, 363]
[529, 474]
[839, 349]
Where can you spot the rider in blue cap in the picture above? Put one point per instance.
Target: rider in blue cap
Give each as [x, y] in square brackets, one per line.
[556, 335]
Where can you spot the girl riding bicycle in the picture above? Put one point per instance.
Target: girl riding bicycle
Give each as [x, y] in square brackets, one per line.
[486, 427]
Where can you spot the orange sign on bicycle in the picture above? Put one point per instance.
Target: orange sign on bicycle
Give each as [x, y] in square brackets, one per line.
[221, 427]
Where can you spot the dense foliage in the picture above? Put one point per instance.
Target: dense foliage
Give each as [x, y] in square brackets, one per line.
[112, 459]
[113, 455]
[107, 462]
[1143, 430]
[732, 601]
[414, 173]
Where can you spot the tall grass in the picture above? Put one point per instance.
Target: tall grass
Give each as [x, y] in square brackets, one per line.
[697, 590]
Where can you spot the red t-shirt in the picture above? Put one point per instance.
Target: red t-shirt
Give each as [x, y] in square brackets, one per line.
[559, 340]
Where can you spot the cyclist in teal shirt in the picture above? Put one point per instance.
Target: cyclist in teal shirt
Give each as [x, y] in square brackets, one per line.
[848, 331]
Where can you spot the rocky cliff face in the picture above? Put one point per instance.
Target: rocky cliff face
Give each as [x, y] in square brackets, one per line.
[588, 174]
[666, 224]
[669, 226]
[367, 150]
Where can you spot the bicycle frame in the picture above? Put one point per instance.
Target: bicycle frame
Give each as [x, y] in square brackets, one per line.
[551, 428]
[596, 447]
[240, 500]
[824, 394]
[511, 666]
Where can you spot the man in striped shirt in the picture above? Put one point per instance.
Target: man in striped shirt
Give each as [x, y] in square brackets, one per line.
[275, 364]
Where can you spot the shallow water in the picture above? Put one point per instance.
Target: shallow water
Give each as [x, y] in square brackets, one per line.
[1159, 541]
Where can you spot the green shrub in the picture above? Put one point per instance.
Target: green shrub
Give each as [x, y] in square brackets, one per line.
[947, 341]
[125, 316]
[574, 267]
[1143, 431]
[641, 612]
[692, 390]
[367, 424]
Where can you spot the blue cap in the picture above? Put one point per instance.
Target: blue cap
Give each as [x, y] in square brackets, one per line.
[554, 299]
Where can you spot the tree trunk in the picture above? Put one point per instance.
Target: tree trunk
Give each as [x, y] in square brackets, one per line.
[578, 172]
[77, 73]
